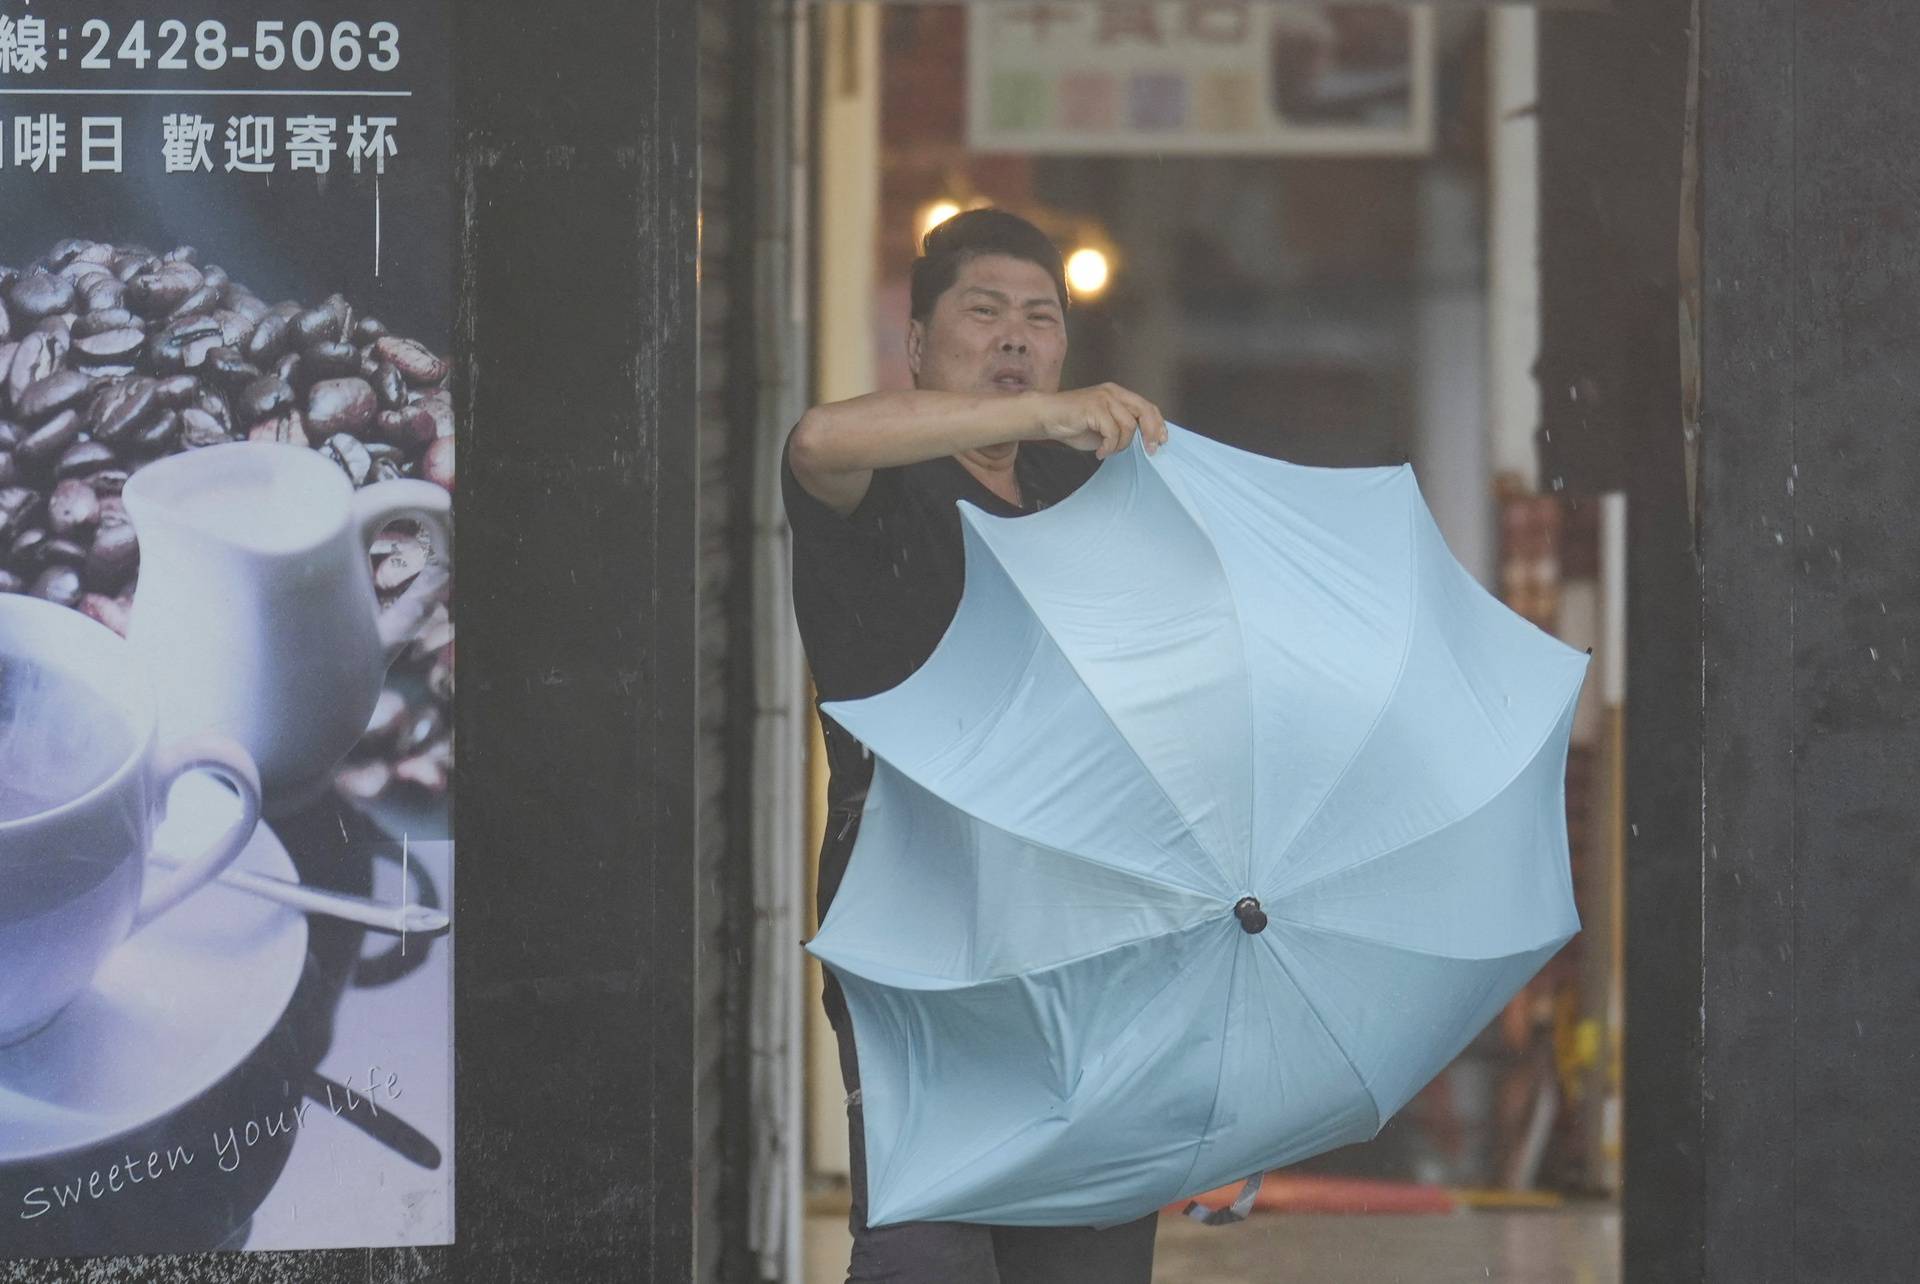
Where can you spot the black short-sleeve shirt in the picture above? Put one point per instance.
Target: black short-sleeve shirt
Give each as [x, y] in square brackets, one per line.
[874, 591]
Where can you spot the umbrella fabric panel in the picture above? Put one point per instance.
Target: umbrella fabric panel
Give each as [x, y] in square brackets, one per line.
[1320, 563]
[939, 898]
[1399, 1014]
[997, 691]
[1065, 1097]
[1480, 690]
[1288, 1090]
[1492, 884]
[1128, 587]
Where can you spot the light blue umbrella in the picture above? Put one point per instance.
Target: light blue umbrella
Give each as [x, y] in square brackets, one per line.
[1205, 680]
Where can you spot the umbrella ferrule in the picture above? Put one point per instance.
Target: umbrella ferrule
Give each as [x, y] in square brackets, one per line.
[1253, 919]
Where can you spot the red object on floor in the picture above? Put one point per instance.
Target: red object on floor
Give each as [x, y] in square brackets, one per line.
[1282, 1193]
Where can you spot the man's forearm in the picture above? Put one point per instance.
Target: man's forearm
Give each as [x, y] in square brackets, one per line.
[890, 429]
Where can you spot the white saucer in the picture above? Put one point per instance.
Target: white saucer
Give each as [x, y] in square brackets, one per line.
[172, 1011]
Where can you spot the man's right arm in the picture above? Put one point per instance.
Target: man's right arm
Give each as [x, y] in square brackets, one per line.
[835, 447]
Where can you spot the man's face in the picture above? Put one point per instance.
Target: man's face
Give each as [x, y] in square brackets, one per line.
[998, 328]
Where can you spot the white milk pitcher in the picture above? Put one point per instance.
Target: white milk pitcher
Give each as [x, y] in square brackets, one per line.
[255, 611]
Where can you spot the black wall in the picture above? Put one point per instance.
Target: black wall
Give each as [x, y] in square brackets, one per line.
[1773, 968]
[576, 138]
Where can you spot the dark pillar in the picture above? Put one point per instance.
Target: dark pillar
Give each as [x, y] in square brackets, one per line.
[579, 164]
[1811, 553]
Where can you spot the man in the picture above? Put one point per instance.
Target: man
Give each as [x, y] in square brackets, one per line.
[870, 486]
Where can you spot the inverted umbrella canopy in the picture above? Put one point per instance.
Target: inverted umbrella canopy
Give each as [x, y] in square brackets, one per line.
[1227, 811]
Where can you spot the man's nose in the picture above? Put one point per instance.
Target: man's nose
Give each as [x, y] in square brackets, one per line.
[1013, 343]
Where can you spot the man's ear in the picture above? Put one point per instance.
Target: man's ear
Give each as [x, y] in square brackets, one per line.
[916, 342]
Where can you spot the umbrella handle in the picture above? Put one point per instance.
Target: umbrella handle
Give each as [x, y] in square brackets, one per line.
[1235, 1212]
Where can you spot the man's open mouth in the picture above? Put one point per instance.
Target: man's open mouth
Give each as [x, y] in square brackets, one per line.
[1011, 382]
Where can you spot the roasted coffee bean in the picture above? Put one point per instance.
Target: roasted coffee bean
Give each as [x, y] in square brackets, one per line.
[102, 293]
[288, 426]
[421, 729]
[59, 584]
[328, 361]
[181, 254]
[105, 610]
[131, 265]
[50, 440]
[113, 510]
[389, 385]
[9, 471]
[101, 320]
[159, 434]
[212, 403]
[317, 325]
[268, 340]
[247, 305]
[202, 300]
[409, 429]
[6, 322]
[18, 507]
[214, 275]
[40, 294]
[55, 392]
[387, 470]
[340, 405]
[352, 457]
[175, 391]
[362, 780]
[369, 364]
[437, 465]
[113, 557]
[288, 368]
[159, 290]
[266, 395]
[235, 327]
[65, 250]
[184, 344]
[439, 407]
[11, 434]
[229, 368]
[39, 355]
[83, 459]
[60, 550]
[118, 410]
[198, 428]
[72, 507]
[107, 483]
[25, 550]
[6, 364]
[418, 365]
[11, 583]
[367, 329]
[109, 346]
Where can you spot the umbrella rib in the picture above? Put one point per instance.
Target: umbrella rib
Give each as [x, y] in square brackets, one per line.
[1393, 688]
[1220, 1071]
[1526, 761]
[1273, 948]
[1246, 654]
[1107, 714]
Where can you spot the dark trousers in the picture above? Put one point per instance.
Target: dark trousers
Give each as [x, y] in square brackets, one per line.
[963, 1253]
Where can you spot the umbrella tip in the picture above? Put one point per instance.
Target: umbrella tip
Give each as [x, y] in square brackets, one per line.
[1253, 919]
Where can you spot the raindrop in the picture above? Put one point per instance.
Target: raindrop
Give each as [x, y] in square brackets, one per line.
[1789, 485]
[1635, 829]
[1873, 652]
[1778, 538]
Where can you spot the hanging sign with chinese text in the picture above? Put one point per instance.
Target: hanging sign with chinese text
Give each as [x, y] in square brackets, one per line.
[1223, 76]
[226, 626]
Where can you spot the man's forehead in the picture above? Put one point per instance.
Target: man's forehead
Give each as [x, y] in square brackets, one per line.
[1006, 278]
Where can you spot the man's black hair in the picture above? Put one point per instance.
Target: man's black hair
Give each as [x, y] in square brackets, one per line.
[970, 234]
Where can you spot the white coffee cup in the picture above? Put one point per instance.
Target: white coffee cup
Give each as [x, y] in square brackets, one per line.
[83, 783]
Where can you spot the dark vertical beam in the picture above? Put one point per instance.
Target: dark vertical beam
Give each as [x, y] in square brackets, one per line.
[578, 162]
[1612, 121]
[1855, 1132]
[1751, 543]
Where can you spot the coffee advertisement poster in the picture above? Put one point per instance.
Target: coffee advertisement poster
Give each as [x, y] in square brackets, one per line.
[227, 429]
